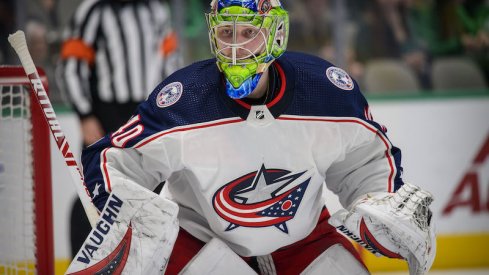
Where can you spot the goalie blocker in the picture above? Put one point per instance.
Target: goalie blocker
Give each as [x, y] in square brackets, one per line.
[135, 234]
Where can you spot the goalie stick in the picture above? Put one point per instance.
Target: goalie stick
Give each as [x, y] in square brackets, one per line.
[18, 42]
[137, 229]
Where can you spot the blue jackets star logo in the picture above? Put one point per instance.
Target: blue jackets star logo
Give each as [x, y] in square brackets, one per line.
[267, 197]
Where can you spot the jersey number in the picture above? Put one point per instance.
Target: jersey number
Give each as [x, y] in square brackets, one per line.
[122, 136]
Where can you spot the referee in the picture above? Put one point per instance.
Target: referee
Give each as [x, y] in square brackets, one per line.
[113, 55]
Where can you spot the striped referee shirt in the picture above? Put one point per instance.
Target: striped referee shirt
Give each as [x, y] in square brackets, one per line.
[117, 51]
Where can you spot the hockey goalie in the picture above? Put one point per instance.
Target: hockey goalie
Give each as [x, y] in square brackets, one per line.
[246, 143]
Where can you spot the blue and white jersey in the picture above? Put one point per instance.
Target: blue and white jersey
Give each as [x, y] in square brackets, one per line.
[250, 175]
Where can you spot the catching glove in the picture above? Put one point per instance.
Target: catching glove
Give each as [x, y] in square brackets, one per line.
[396, 225]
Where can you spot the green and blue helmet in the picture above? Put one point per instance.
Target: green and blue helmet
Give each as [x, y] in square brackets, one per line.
[246, 36]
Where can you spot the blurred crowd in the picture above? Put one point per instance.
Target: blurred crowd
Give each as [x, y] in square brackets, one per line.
[431, 40]
[388, 46]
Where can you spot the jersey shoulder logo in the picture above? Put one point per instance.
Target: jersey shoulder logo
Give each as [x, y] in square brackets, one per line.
[268, 197]
[169, 94]
[340, 78]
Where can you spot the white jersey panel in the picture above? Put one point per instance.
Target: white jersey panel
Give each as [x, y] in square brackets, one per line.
[234, 178]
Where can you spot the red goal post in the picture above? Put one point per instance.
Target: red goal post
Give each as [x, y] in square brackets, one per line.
[26, 230]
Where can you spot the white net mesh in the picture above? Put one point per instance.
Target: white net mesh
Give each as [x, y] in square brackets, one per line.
[413, 202]
[17, 230]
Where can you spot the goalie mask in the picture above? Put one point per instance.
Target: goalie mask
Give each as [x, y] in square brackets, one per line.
[246, 36]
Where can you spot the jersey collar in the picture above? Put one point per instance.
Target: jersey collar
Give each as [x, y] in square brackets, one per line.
[281, 100]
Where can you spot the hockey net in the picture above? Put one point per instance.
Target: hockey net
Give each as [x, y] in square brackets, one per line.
[26, 227]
